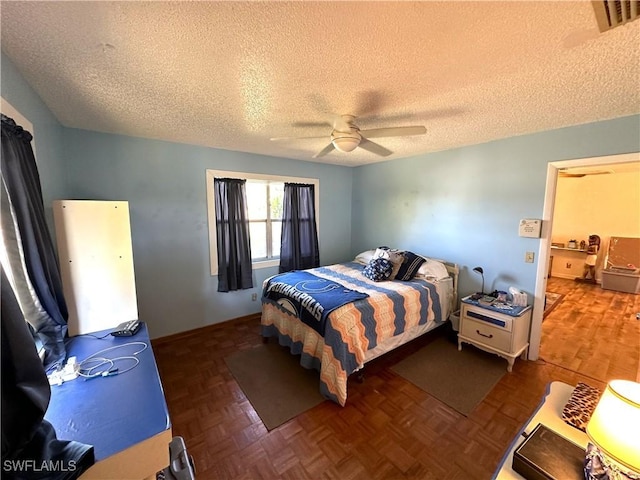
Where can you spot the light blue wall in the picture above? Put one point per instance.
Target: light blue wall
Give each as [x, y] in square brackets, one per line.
[165, 185]
[47, 132]
[464, 205]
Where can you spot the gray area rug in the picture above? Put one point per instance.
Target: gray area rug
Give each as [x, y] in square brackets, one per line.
[275, 383]
[458, 379]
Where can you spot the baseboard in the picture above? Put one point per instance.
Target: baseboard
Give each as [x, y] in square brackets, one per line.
[570, 277]
[201, 330]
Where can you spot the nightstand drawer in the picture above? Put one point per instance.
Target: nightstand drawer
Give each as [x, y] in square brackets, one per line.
[497, 320]
[481, 332]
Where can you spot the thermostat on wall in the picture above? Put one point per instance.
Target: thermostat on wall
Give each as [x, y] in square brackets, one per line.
[530, 227]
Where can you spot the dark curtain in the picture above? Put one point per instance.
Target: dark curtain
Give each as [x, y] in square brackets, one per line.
[232, 229]
[30, 449]
[299, 248]
[22, 183]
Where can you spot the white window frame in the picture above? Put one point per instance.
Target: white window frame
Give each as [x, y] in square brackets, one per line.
[211, 209]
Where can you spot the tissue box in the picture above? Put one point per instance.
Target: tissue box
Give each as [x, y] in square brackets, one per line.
[518, 297]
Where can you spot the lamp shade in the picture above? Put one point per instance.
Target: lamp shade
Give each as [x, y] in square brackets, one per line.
[614, 426]
[481, 272]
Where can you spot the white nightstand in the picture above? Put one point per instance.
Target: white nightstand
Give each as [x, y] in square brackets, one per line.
[492, 330]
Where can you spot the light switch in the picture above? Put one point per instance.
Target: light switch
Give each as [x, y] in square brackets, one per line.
[528, 257]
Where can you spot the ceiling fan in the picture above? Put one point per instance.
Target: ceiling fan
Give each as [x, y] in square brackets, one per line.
[346, 136]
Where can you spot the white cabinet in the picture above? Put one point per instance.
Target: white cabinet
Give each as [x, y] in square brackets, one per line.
[96, 263]
[495, 332]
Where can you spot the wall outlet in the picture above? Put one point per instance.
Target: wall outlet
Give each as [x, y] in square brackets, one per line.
[528, 257]
[254, 297]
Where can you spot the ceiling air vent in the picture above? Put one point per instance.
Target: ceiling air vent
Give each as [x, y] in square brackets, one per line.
[614, 13]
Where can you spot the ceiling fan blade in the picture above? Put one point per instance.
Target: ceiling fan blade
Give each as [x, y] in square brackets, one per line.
[374, 148]
[393, 131]
[320, 104]
[324, 151]
[369, 102]
[312, 124]
[281, 139]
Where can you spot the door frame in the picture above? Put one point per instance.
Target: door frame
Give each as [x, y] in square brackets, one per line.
[544, 250]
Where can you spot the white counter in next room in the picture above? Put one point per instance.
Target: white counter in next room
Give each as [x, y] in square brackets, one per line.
[566, 262]
[569, 249]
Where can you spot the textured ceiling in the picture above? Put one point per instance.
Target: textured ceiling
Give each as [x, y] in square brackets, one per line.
[232, 75]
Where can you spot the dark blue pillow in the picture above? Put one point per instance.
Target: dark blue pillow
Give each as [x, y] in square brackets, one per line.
[378, 269]
[410, 266]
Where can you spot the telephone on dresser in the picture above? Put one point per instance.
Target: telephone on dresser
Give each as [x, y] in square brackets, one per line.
[127, 329]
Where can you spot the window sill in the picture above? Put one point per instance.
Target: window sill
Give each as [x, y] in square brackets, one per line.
[266, 263]
[256, 265]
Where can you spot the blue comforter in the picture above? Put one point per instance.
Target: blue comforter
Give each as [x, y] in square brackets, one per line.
[309, 297]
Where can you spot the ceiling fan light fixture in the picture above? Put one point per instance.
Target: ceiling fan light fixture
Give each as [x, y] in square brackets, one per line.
[346, 143]
[347, 136]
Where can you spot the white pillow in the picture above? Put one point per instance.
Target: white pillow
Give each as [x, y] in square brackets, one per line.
[365, 257]
[433, 269]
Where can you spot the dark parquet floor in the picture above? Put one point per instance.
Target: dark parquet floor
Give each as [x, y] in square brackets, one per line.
[389, 428]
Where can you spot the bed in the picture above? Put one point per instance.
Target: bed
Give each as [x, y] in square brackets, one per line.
[386, 315]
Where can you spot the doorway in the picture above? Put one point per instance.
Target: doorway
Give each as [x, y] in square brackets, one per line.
[545, 239]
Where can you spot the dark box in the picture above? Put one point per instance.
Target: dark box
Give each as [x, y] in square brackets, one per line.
[545, 455]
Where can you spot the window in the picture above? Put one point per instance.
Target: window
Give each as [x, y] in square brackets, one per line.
[264, 202]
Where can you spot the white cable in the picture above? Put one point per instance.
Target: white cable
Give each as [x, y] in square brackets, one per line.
[87, 372]
[137, 361]
[118, 346]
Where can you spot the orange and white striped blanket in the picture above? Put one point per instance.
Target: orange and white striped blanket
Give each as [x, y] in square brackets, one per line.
[352, 329]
